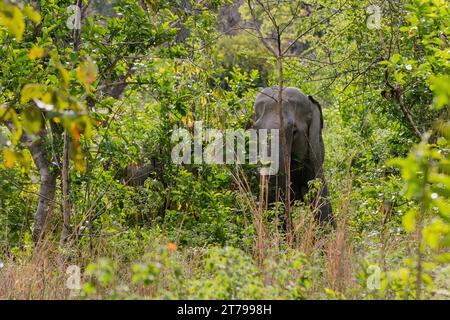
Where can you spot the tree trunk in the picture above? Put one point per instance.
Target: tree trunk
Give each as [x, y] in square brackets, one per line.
[48, 175]
[286, 157]
[46, 192]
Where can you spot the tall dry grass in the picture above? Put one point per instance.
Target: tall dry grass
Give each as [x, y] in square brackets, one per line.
[41, 273]
[338, 248]
[309, 236]
[34, 275]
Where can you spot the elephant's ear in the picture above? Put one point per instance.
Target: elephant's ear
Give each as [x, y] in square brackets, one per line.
[314, 101]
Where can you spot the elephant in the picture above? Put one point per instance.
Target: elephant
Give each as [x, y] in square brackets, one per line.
[303, 124]
[135, 174]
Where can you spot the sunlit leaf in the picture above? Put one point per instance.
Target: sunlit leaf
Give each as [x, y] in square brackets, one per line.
[433, 232]
[36, 52]
[30, 91]
[9, 158]
[8, 114]
[65, 77]
[443, 258]
[440, 85]
[32, 14]
[409, 220]
[12, 18]
[32, 120]
[87, 73]
[396, 57]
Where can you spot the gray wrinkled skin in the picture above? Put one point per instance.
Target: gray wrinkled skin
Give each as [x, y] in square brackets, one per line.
[303, 123]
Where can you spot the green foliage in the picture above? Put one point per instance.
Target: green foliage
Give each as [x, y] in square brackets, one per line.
[205, 211]
[426, 174]
[103, 273]
[15, 210]
[246, 52]
[230, 274]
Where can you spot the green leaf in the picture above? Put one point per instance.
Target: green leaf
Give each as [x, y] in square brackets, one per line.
[396, 57]
[443, 258]
[32, 120]
[12, 18]
[32, 91]
[65, 77]
[32, 14]
[440, 85]
[409, 220]
[8, 114]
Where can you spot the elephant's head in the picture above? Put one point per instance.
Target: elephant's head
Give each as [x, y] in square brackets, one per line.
[302, 124]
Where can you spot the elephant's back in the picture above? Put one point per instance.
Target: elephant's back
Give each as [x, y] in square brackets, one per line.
[291, 95]
[295, 97]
